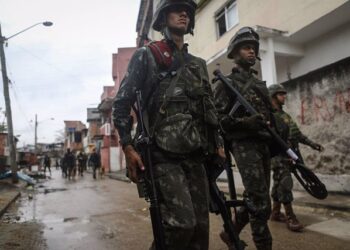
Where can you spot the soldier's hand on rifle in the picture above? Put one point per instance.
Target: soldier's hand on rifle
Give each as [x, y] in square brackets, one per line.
[133, 163]
[254, 122]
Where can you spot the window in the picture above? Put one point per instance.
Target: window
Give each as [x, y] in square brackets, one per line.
[77, 137]
[226, 18]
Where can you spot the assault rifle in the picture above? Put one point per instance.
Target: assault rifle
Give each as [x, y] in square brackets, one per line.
[147, 182]
[305, 176]
[218, 202]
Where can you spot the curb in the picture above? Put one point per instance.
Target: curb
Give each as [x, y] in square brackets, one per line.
[3, 209]
[302, 204]
[119, 178]
[322, 206]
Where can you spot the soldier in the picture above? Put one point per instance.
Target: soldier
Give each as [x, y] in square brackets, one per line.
[81, 162]
[69, 164]
[47, 163]
[247, 137]
[182, 123]
[95, 160]
[282, 179]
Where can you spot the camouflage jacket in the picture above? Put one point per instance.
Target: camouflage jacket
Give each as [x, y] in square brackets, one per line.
[256, 94]
[295, 136]
[143, 74]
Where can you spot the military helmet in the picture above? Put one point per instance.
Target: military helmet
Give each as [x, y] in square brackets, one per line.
[275, 89]
[243, 35]
[165, 5]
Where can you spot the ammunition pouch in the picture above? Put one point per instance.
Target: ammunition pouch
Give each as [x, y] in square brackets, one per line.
[177, 134]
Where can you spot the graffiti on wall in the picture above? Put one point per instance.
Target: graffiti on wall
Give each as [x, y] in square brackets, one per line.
[321, 102]
[324, 109]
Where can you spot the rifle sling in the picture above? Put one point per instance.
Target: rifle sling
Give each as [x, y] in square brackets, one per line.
[161, 76]
[168, 94]
[244, 90]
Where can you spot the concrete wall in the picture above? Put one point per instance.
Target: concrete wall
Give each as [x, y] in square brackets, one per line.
[105, 159]
[320, 103]
[114, 159]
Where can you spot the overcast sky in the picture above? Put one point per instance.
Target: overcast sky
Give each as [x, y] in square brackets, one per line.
[59, 71]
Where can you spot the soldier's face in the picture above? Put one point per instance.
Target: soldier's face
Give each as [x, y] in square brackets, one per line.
[281, 98]
[247, 53]
[178, 19]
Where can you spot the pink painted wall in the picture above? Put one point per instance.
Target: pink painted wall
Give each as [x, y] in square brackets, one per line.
[120, 64]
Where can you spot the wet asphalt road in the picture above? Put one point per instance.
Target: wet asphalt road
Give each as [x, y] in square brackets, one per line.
[107, 214]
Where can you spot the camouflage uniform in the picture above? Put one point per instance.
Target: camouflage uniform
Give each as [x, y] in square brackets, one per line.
[250, 150]
[282, 178]
[179, 169]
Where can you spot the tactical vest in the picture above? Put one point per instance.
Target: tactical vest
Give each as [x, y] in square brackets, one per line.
[256, 94]
[294, 132]
[177, 108]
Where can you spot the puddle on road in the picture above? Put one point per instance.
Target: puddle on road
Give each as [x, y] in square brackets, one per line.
[52, 190]
[33, 208]
[67, 232]
[25, 208]
[70, 219]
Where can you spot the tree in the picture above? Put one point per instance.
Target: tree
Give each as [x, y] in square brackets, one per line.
[60, 136]
[3, 128]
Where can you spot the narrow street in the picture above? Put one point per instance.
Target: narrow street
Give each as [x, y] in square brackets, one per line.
[107, 214]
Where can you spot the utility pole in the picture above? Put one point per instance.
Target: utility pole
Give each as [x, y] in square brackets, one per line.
[36, 134]
[5, 79]
[10, 138]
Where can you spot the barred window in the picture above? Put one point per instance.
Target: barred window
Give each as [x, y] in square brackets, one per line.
[226, 18]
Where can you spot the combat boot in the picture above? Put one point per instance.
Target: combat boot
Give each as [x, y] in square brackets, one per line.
[276, 214]
[226, 239]
[264, 246]
[292, 222]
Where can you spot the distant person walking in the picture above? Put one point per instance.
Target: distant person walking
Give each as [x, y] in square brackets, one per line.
[81, 162]
[47, 163]
[68, 163]
[64, 167]
[57, 163]
[95, 161]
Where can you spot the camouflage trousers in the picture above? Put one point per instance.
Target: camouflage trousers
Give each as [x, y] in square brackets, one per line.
[183, 191]
[253, 161]
[282, 180]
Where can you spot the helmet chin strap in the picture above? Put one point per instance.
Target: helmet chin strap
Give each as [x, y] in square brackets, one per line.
[167, 34]
[244, 63]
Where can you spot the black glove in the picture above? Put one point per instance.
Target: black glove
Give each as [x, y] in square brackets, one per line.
[312, 144]
[226, 123]
[254, 122]
[317, 146]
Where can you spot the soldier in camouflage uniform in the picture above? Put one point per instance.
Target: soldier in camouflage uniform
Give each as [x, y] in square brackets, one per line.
[248, 140]
[183, 125]
[282, 179]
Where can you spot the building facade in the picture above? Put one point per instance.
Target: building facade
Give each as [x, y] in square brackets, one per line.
[93, 132]
[74, 131]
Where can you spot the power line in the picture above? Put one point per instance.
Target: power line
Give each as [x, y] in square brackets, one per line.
[19, 104]
[14, 88]
[76, 77]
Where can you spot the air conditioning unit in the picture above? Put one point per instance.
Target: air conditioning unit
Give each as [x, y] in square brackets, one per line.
[107, 128]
